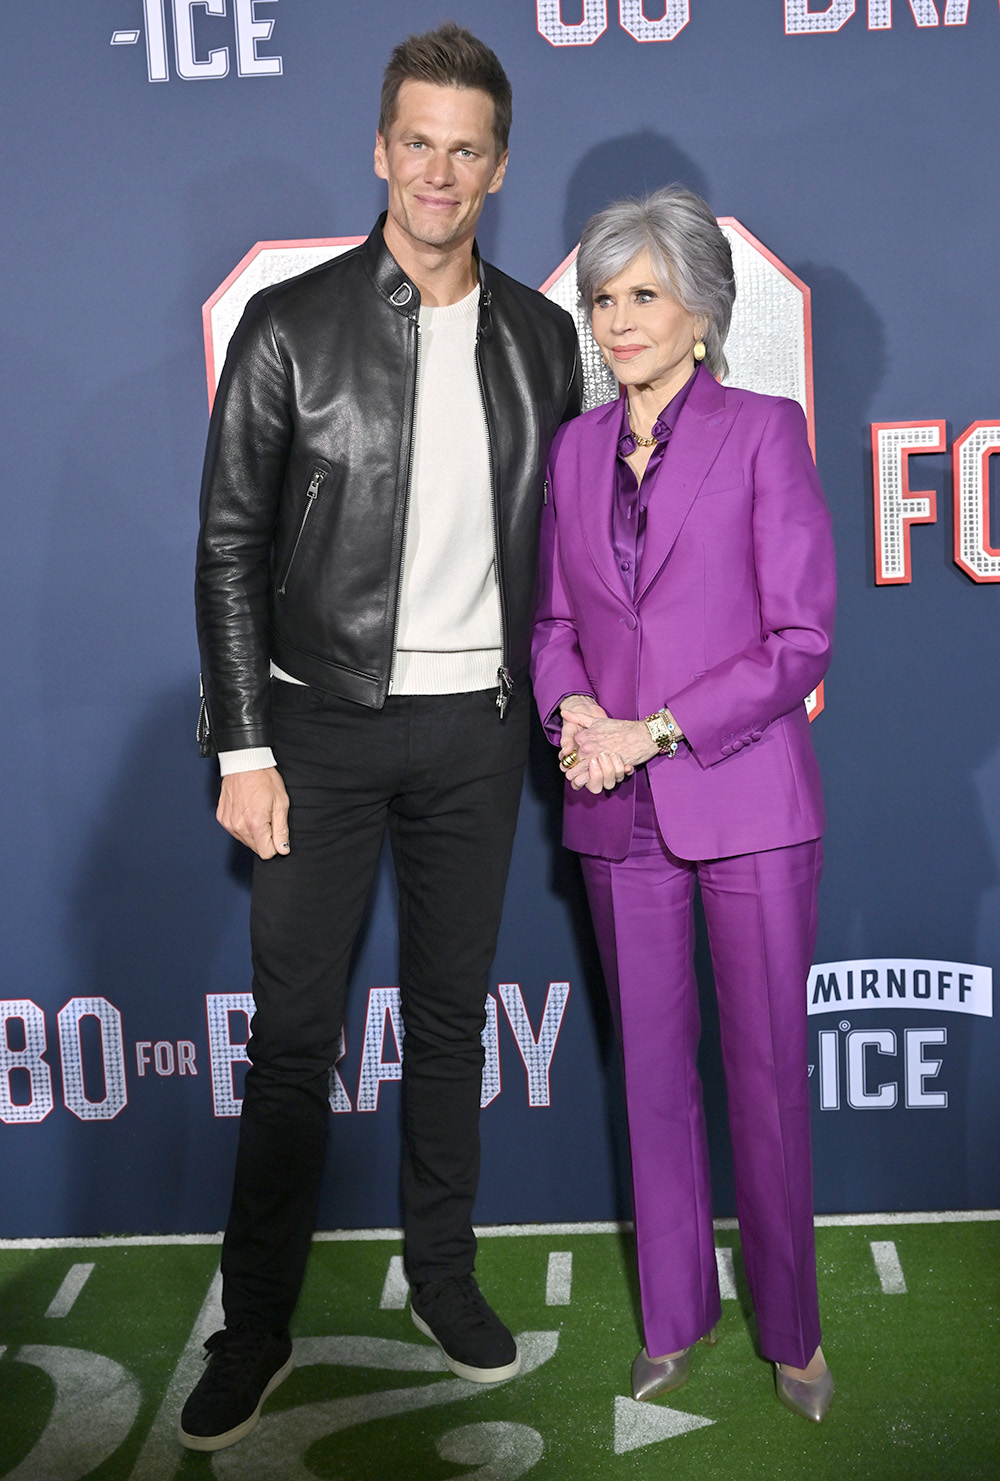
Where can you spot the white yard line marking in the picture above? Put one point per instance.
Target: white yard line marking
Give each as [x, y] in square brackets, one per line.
[76, 1278]
[890, 1272]
[605, 1226]
[396, 1290]
[109, 1242]
[952, 1216]
[500, 1231]
[559, 1278]
[484, 1231]
[161, 1454]
[727, 1273]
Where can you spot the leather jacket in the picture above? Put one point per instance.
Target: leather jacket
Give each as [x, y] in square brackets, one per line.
[305, 489]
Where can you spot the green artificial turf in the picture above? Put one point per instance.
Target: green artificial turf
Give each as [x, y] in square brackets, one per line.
[94, 1393]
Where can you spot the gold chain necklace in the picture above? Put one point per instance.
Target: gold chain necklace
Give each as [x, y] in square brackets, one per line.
[639, 441]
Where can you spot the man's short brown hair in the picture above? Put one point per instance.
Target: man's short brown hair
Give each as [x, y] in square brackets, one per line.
[449, 57]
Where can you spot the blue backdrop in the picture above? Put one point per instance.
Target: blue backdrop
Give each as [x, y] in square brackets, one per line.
[149, 144]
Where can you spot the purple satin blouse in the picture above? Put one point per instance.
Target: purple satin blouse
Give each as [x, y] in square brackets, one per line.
[628, 508]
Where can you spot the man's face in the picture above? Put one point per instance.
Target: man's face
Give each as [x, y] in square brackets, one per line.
[440, 161]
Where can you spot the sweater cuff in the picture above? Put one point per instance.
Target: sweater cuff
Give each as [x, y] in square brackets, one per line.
[252, 758]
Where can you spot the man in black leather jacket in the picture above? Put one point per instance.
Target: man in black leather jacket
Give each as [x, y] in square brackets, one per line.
[366, 569]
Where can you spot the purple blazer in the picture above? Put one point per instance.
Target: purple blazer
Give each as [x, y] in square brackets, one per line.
[730, 625]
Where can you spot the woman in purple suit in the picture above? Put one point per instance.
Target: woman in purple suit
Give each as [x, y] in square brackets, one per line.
[686, 603]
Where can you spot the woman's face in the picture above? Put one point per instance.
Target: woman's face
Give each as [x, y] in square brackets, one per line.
[645, 336]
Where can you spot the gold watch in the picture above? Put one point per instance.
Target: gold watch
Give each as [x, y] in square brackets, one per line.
[663, 733]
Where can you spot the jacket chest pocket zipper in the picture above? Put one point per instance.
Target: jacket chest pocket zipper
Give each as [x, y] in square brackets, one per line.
[315, 483]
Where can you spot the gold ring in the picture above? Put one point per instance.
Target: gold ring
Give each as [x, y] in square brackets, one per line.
[570, 760]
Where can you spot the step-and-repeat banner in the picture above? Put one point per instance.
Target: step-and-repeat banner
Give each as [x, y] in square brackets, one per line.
[166, 157]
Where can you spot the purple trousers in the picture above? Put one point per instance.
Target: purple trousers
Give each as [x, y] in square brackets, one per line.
[760, 910]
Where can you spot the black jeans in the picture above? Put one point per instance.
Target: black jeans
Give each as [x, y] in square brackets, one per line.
[443, 774]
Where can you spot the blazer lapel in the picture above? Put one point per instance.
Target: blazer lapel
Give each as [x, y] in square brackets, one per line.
[701, 429]
[596, 484]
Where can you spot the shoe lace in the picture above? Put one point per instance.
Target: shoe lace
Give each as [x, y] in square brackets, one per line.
[461, 1303]
[232, 1348]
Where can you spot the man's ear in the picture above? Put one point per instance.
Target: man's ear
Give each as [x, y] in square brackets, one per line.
[498, 174]
[380, 162]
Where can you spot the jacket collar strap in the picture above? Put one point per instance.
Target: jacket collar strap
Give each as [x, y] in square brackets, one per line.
[387, 275]
[399, 290]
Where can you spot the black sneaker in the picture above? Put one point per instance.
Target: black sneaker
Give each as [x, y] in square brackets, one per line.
[244, 1366]
[475, 1343]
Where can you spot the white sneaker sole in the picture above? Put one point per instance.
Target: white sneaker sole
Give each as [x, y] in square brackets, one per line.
[462, 1370]
[230, 1437]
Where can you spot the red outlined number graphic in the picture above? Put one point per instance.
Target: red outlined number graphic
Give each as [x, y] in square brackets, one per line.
[633, 18]
[584, 32]
[25, 1076]
[783, 302]
[76, 1090]
[265, 263]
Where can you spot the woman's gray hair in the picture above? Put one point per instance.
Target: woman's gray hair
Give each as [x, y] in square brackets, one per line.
[690, 254]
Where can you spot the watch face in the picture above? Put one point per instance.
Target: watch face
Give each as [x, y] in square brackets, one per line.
[662, 733]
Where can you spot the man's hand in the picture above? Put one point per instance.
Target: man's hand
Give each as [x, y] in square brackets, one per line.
[253, 807]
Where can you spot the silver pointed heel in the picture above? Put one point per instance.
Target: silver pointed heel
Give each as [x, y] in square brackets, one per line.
[653, 1376]
[809, 1397]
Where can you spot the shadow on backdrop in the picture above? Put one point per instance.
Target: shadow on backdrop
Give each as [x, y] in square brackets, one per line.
[633, 164]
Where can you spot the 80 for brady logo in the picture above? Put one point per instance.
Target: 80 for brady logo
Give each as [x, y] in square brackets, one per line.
[205, 37]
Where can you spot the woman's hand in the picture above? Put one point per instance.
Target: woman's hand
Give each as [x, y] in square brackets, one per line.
[577, 711]
[607, 750]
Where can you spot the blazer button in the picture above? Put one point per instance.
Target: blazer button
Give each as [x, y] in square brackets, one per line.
[755, 735]
[726, 750]
[629, 622]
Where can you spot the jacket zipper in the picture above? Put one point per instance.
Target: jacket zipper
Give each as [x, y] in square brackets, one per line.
[505, 688]
[415, 329]
[505, 682]
[312, 491]
[204, 727]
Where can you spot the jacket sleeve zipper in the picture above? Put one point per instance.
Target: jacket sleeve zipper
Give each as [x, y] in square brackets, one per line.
[206, 746]
[312, 491]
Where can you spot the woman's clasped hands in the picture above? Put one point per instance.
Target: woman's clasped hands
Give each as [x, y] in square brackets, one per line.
[597, 751]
